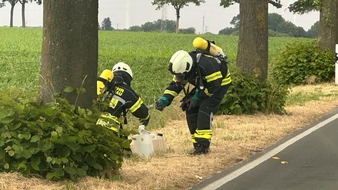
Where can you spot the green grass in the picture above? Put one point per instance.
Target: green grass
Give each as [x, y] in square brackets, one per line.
[147, 54]
[300, 98]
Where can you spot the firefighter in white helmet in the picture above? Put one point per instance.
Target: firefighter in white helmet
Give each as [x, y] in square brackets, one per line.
[122, 100]
[210, 79]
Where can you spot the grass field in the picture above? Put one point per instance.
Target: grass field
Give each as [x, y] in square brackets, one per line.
[147, 54]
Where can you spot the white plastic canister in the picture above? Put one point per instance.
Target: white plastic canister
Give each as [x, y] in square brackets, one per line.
[143, 144]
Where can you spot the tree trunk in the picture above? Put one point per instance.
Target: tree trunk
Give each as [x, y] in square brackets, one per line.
[327, 28]
[336, 25]
[177, 19]
[23, 5]
[69, 54]
[12, 13]
[252, 53]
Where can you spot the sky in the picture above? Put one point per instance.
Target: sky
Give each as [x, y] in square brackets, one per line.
[208, 17]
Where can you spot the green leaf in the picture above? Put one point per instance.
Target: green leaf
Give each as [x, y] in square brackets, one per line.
[2, 154]
[81, 171]
[11, 153]
[49, 159]
[6, 166]
[6, 120]
[49, 112]
[89, 148]
[92, 162]
[70, 170]
[64, 160]
[22, 166]
[35, 138]
[59, 129]
[73, 145]
[59, 172]
[6, 135]
[81, 90]
[35, 163]
[68, 89]
[50, 175]
[15, 126]
[126, 144]
[5, 113]
[54, 134]
[26, 154]
[45, 145]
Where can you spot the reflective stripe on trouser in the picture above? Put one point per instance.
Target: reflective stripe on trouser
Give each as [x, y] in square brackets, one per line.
[199, 123]
[199, 119]
[109, 121]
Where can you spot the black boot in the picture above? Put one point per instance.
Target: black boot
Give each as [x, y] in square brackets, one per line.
[202, 146]
[200, 149]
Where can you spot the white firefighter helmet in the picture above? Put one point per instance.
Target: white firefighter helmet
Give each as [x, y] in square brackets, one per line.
[180, 62]
[120, 66]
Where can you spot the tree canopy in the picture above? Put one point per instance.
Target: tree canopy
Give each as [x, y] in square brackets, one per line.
[277, 26]
[227, 3]
[106, 24]
[305, 6]
[178, 5]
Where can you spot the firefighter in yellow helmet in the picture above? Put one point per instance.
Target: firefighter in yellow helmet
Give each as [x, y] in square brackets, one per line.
[123, 99]
[210, 79]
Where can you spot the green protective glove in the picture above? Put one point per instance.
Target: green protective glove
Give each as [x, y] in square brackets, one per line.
[193, 101]
[161, 103]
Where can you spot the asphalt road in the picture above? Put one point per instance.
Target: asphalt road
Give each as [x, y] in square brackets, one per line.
[305, 160]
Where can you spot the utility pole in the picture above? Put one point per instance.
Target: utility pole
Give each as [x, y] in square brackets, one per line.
[203, 25]
[164, 18]
[127, 21]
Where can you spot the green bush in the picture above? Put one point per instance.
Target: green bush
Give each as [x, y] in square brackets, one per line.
[248, 95]
[303, 63]
[55, 141]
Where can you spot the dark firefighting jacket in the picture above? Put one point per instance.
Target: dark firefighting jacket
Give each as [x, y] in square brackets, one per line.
[123, 99]
[207, 74]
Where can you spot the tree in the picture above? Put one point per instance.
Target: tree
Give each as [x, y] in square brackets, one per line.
[227, 31]
[274, 20]
[157, 26]
[23, 8]
[313, 31]
[12, 3]
[167, 25]
[135, 28]
[276, 26]
[178, 5]
[252, 52]
[235, 21]
[288, 28]
[106, 24]
[189, 30]
[231, 30]
[328, 27]
[299, 32]
[305, 6]
[69, 56]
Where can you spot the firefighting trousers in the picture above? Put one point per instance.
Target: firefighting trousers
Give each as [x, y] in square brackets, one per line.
[200, 118]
